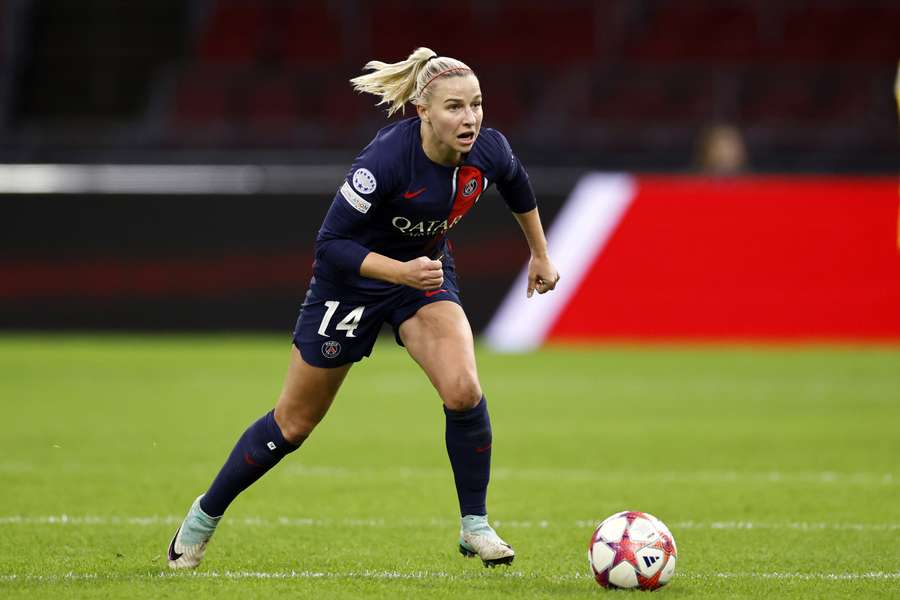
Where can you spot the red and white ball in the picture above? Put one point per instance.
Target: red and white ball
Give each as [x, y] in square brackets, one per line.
[632, 550]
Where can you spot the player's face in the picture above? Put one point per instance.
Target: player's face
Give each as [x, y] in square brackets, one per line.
[453, 116]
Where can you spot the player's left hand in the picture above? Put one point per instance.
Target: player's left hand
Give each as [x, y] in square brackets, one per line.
[542, 275]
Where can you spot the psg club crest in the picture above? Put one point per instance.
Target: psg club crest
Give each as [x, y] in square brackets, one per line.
[470, 187]
[330, 349]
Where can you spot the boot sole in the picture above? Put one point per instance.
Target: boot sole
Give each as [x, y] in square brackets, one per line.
[491, 562]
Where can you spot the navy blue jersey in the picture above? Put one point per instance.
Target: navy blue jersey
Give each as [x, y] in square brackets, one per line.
[397, 202]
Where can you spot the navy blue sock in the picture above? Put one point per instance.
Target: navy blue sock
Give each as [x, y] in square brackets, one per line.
[469, 438]
[258, 450]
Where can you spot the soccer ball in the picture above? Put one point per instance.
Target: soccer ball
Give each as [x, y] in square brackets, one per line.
[632, 550]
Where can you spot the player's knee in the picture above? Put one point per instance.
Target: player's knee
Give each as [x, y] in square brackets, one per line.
[462, 393]
[294, 428]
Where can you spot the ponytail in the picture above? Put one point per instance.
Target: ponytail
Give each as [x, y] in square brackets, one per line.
[408, 80]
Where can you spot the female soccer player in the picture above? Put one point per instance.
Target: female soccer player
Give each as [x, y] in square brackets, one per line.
[382, 255]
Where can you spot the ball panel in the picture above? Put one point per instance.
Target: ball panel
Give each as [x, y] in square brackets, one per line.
[642, 530]
[650, 560]
[601, 577]
[649, 583]
[668, 570]
[601, 556]
[623, 576]
[612, 529]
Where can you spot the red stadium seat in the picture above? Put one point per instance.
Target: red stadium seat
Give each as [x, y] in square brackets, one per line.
[309, 32]
[205, 108]
[396, 28]
[343, 109]
[773, 99]
[235, 32]
[204, 98]
[272, 109]
[505, 104]
[843, 32]
[502, 32]
[654, 96]
[273, 98]
[828, 98]
[706, 30]
[546, 33]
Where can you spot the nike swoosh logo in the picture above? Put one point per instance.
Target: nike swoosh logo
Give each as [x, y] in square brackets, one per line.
[409, 195]
[482, 450]
[432, 293]
[172, 554]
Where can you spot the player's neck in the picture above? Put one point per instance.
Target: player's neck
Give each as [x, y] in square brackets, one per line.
[436, 151]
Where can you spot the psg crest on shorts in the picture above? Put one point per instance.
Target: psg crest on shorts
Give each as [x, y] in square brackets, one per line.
[330, 349]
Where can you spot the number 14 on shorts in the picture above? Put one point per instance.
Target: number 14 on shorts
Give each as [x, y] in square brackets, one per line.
[348, 323]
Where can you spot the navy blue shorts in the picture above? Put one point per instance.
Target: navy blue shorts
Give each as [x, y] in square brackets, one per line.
[339, 325]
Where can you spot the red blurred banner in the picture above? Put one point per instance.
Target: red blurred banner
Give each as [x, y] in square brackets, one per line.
[745, 258]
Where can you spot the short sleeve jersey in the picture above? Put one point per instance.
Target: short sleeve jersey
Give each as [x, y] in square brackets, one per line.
[395, 201]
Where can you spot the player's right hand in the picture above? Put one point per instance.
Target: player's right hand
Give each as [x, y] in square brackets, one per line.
[422, 273]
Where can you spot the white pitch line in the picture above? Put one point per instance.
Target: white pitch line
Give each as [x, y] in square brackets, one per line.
[543, 474]
[375, 522]
[563, 474]
[799, 576]
[422, 575]
[801, 525]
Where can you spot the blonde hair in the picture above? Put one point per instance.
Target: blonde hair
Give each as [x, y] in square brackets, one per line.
[408, 80]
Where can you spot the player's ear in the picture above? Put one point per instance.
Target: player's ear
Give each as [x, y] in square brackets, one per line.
[423, 113]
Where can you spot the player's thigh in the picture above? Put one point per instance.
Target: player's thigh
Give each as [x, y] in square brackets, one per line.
[306, 396]
[439, 338]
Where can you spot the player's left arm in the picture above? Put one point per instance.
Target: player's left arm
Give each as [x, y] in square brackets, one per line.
[515, 188]
[542, 274]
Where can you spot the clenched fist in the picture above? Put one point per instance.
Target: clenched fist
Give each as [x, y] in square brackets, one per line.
[422, 273]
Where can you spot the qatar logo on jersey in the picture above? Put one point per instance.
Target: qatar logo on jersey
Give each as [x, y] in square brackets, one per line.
[420, 228]
[330, 349]
[364, 181]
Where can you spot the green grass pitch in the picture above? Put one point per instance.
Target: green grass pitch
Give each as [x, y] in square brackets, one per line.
[776, 468]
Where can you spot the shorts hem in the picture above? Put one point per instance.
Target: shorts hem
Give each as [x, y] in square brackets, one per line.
[323, 362]
[407, 314]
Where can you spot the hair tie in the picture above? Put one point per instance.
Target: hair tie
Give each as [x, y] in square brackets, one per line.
[432, 57]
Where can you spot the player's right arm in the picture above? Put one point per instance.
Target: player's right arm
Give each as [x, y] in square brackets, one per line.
[338, 246]
[421, 273]
[343, 237]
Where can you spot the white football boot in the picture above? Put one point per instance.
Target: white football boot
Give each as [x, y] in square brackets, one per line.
[189, 543]
[477, 538]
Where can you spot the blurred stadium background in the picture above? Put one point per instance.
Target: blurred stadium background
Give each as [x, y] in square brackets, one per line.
[164, 164]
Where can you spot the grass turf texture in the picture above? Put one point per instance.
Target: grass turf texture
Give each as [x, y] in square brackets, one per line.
[777, 469]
